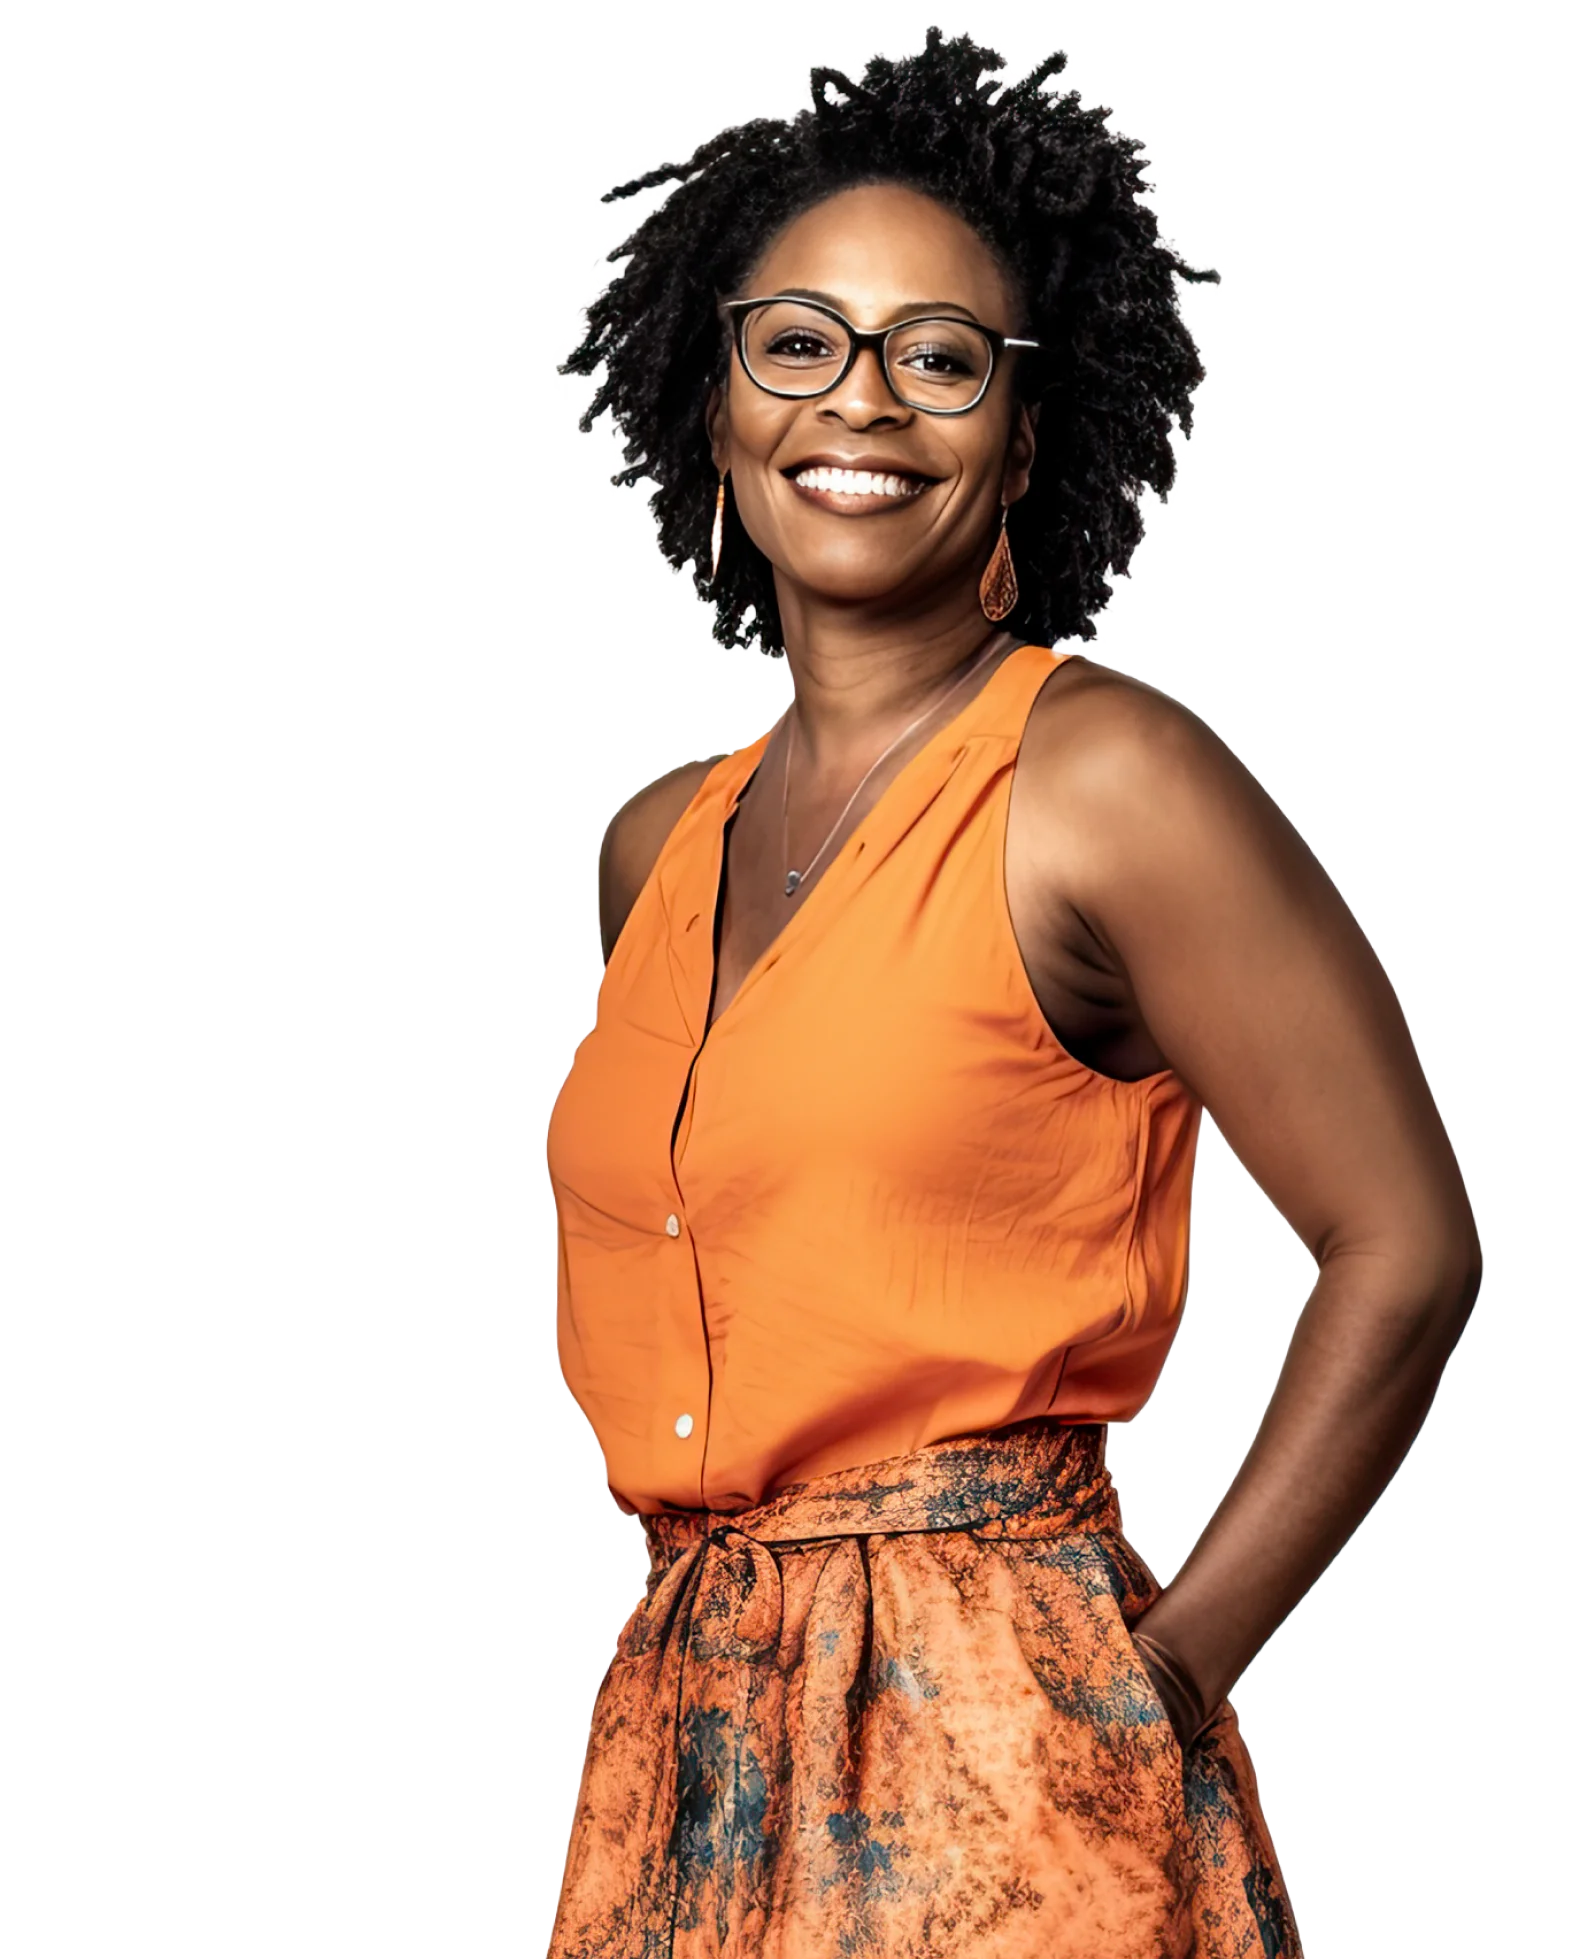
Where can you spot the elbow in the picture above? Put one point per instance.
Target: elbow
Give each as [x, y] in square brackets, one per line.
[1421, 1284]
[1470, 1283]
[1459, 1266]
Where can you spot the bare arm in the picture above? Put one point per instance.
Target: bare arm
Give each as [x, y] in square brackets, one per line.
[1261, 990]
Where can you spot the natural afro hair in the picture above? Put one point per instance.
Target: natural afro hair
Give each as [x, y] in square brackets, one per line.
[1055, 195]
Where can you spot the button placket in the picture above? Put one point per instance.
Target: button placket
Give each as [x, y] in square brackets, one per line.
[692, 1382]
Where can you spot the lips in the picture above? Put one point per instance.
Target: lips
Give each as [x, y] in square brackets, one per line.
[855, 489]
[863, 467]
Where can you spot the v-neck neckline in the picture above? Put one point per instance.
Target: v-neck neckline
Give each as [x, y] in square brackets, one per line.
[749, 765]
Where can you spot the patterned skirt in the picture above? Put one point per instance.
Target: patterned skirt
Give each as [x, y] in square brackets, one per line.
[895, 1712]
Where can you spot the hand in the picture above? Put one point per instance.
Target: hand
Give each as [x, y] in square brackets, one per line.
[1181, 1697]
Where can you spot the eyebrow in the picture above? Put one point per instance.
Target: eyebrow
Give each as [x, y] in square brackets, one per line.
[912, 310]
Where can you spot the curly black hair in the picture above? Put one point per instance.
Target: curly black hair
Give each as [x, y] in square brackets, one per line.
[1055, 196]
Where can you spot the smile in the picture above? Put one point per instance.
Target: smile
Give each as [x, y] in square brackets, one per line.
[857, 489]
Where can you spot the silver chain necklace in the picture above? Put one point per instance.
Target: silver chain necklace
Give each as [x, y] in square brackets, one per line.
[793, 879]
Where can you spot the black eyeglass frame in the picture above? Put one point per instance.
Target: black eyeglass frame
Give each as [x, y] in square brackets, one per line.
[737, 312]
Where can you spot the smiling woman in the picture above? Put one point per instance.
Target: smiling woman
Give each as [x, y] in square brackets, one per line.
[831, 409]
[1067, 254]
[873, 1176]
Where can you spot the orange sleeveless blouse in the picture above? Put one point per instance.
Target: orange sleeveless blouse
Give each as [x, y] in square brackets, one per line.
[878, 1204]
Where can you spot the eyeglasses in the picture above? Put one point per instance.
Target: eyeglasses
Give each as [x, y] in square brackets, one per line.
[799, 348]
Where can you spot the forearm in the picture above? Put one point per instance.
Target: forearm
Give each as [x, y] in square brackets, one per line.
[1360, 1374]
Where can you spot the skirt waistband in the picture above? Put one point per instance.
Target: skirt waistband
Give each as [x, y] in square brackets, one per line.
[1036, 1478]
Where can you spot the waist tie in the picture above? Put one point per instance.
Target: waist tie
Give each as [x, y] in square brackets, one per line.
[723, 1585]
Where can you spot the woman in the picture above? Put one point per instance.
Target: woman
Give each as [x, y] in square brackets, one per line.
[873, 1177]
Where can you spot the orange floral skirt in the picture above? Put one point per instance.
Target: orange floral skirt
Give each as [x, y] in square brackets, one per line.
[895, 1712]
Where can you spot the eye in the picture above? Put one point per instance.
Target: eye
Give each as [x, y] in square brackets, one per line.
[934, 357]
[800, 343]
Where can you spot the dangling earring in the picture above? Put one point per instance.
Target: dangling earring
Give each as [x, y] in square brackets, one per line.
[716, 525]
[999, 586]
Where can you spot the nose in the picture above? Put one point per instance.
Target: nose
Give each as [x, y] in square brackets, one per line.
[862, 399]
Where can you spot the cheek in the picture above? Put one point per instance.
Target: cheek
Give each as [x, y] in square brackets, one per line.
[755, 435]
[756, 421]
[979, 464]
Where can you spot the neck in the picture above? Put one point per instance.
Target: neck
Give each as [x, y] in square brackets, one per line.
[859, 677]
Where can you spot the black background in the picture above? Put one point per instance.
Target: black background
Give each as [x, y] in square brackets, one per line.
[1364, 586]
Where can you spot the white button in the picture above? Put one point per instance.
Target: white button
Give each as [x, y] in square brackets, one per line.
[672, 1224]
[684, 1425]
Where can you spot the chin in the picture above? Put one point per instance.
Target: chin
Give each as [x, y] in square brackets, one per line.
[852, 577]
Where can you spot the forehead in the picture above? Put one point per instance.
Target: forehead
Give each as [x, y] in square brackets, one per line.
[881, 250]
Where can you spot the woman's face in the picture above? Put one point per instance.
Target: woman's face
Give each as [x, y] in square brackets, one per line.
[879, 254]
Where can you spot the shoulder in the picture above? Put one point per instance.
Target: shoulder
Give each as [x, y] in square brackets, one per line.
[1110, 750]
[634, 837]
[1106, 751]
[1124, 790]
[1102, 723]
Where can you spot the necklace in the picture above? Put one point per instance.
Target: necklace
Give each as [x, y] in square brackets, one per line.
[793, 879]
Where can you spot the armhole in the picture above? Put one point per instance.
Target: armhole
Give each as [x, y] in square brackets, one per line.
[667, 837]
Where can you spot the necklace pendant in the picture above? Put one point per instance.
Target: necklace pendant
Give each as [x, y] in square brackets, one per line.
[792, 884]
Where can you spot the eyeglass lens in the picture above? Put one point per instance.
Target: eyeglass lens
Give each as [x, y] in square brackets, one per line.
[795, 350]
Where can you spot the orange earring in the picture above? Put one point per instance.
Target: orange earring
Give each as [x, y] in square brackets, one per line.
[999, 586]
[716, 526]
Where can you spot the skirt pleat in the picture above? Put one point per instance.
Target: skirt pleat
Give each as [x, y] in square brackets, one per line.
[896, 1713]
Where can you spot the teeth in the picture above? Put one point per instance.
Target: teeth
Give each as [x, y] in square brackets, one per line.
[858, 482]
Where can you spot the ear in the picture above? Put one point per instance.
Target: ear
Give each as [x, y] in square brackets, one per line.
[1021, 453]
[716, 426]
